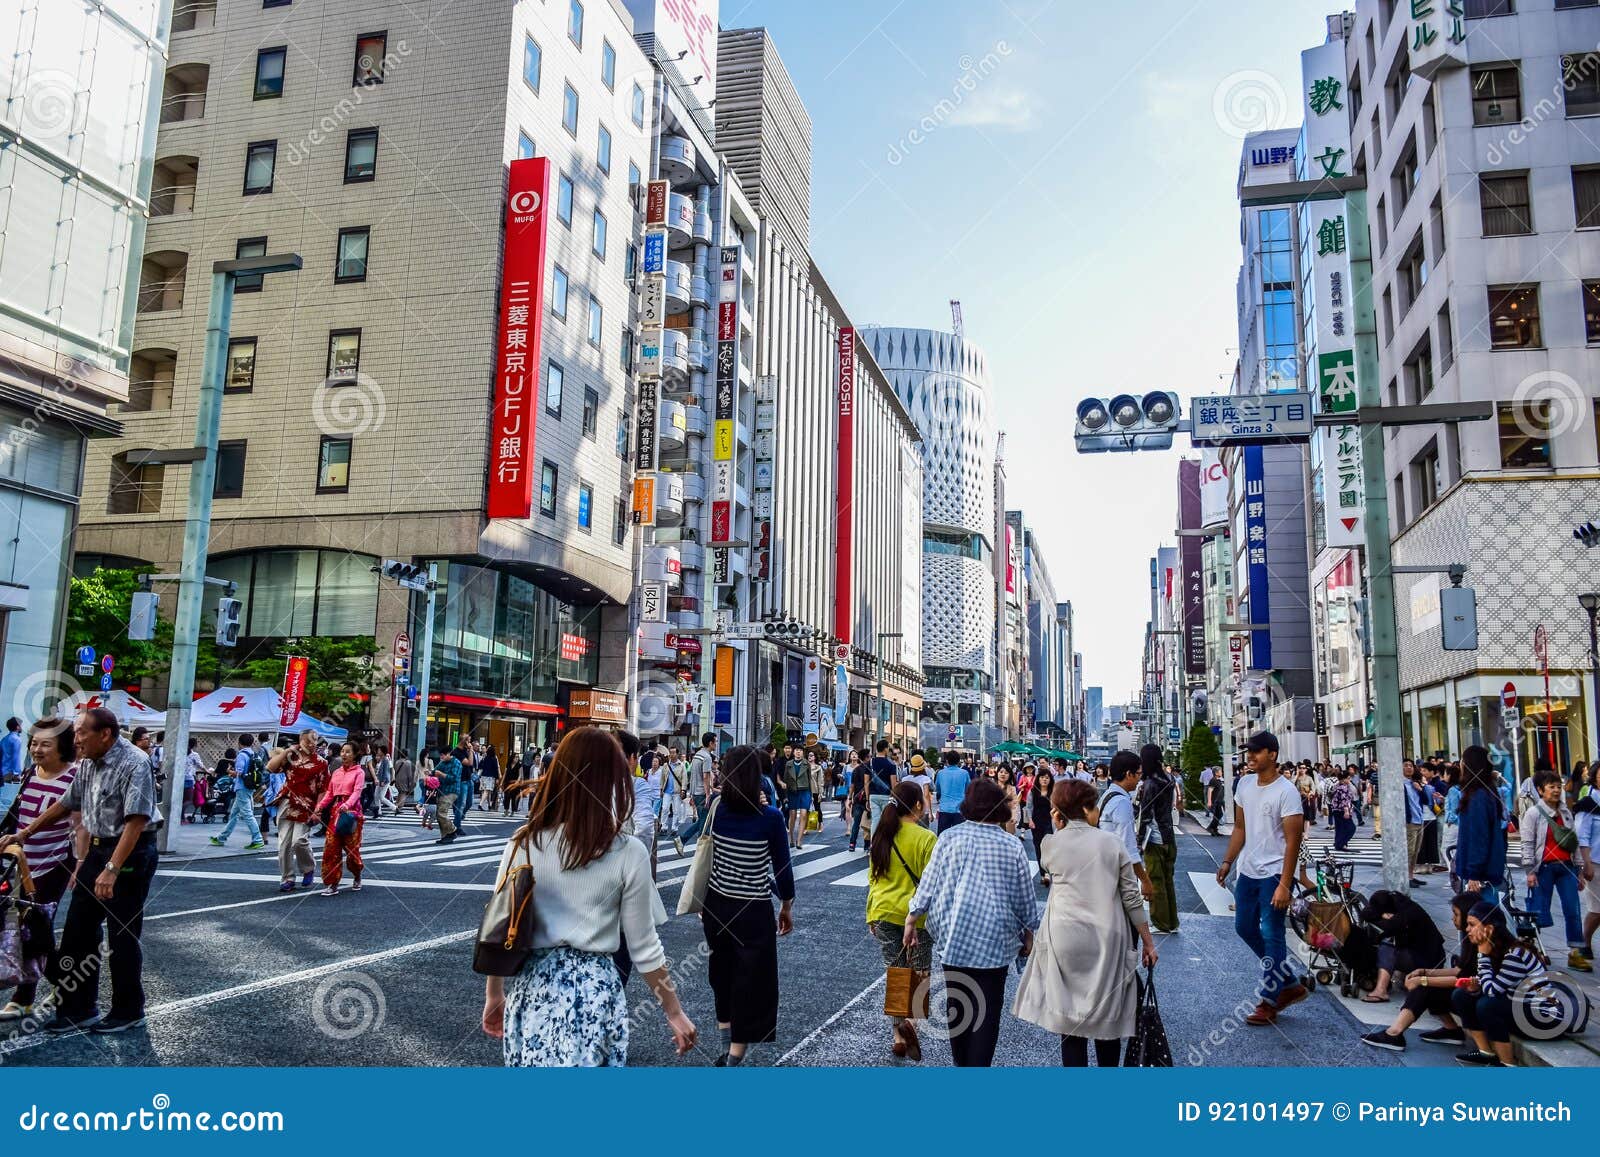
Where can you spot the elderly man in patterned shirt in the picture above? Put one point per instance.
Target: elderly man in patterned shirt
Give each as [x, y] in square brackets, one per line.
[114, 795]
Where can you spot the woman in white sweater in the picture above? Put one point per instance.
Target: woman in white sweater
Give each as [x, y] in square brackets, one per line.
[592, 887]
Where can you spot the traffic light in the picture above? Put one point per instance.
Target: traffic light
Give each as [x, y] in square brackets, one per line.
[228, 622]
[1126, 423]
[1588, 534]
[406, 574]
[142, 616]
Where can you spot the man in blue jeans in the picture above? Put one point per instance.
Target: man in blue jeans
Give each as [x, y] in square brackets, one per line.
[1268, 825]
[950, 787]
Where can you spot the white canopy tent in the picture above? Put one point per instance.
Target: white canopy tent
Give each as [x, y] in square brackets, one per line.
[130, 712]
[235, 710]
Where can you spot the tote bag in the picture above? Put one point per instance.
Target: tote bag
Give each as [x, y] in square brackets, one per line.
[693, 896]
[1148, 1047]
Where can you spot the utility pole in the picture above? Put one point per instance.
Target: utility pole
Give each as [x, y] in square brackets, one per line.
[427, 660]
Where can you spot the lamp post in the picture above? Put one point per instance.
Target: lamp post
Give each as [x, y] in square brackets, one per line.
[197, 527]
[1591, 603]
[877, 704]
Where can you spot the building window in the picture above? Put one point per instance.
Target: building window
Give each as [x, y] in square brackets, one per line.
[371, 47]
[1576, 4]
[1425, 476]
[1586, 197]
[344, 355]
[286, 3]
[634, 177]
[585, 506]
[1591, 312]
[1580, 76]
[525, 148]
[549, 479]
[360, 156]
[532, 63]
[333, 465]
[591, 412]
[564, 200]
[260, 160]
[608, 66]
[575, 22]
[599, 242]
[249, 247]
[1483, 9]
[134, 489]
[1419, 371]
[569, 110]
[596, 321]
[558, 292]
[1496, 95]
[624, 427]
[627, 350]
[241, 372]
[1524, 434]
[269, 72]
[555, 384]
[352, 260]
[229, 480]
[1514, 317]
[1447, 341]
[636, 106]
[619, 522]
[603, 150]
[1504, 201]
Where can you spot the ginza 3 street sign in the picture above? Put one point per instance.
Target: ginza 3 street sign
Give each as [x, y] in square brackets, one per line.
[1235, 420]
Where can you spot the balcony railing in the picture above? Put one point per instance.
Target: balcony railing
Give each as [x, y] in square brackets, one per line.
[171, 200]
[183, 106]
[194, 15]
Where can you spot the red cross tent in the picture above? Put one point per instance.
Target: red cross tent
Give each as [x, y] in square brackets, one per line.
[234, 710]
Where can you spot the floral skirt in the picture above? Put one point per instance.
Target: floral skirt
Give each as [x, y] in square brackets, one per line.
[566, 1009]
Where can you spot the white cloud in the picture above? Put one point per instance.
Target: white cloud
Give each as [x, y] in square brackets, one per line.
[997, 107]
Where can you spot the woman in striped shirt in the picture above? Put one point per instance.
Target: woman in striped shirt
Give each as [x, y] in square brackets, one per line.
[1508, 974]
[750, 859]
[49, 850]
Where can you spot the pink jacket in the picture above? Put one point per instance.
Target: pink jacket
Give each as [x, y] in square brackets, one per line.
[345, 786]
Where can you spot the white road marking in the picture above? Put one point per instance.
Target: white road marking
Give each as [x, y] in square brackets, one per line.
[812, 867]
[825, 1025]
[223, 907]
[367, 880]
[857, 880]
[1218, 899]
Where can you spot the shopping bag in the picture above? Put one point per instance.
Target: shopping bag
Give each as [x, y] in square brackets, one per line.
[692, 897]
[1148, 1047]
[813, 821]
[905, 991]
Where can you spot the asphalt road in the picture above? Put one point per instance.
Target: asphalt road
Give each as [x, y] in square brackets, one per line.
[238, 974]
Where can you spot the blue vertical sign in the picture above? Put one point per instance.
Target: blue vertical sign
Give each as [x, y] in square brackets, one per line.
[1255, 536]
[655, 252]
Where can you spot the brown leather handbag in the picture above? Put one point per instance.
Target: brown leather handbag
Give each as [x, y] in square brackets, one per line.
[505, 934]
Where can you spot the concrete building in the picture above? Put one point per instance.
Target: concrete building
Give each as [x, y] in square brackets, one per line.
[356, 422]
[82, 98]
[1094, 714]
[1048, 687]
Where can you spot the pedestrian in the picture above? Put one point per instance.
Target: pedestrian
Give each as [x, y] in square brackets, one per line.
[1157, 835]
[489, 776]
[305, 778]
[405, 781]
[1118, 815]
[1554, 859]
[1267, 831]
[1586, 822]
[11, 752]
[750, 861]
[898, 853]
[854, 772]
[1408, 940]
[114, 791]
[1509, 976]
[1416, 817]
[1041, 819]
[882, 777]
[1429, 990]
[383, 772]
[1008, 784]
[343, 821]
[1081, 982]
[1482, 816]
[646, 798]
[978, 896]
[917, 773]
[950, 786]
[49, 852]
[797, 786]
[675, 795]
[1342, 808]
[467, 794]
[567, 1006]
[244, 779]
[702, 782]
[277, 776]
[448, 772]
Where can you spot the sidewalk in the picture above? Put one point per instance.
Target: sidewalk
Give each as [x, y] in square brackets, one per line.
[1582, 1050]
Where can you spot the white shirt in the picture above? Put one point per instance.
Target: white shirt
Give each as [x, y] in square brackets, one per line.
[1116, 817]
[646, 797]
[1264, 810]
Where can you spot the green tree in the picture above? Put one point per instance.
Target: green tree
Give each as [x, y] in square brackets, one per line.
[340, 669]
[1200, 751]
[98, 606]
[779, 736]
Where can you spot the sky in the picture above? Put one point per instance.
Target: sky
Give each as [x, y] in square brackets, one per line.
[1076, 192]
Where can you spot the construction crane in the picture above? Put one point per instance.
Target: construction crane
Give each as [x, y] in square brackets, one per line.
[955, 318]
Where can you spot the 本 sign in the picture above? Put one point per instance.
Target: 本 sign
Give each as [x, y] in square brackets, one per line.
[1242, 420]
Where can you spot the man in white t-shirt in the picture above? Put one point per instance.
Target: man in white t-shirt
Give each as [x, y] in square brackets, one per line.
[917, 773]
[1268, 825]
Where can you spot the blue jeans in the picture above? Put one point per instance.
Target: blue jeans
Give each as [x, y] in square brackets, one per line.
[1260, 926]
[1562, 879]
[244, 808]
[692, 833]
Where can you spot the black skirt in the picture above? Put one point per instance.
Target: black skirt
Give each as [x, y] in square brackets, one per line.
[742, 936]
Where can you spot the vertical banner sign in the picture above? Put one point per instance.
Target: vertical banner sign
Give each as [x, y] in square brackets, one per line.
[644, 435]
[1213, 488]
[765, 443]
[813, 695]
[841, 685]
[1255, 535]
[724, 409]
[511, 464]
[1236, 657]
[1344, 501]
[655, 203]
[1193, 584]
[294, 689]
[844, 499]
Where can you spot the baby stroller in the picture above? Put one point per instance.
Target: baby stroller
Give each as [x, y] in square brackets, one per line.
[20, 961]
[1327, 916]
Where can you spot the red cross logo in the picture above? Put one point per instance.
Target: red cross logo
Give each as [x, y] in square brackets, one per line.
[231, 705]
[94, 701]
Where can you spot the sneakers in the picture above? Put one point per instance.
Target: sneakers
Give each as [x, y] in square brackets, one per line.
[1477, 1060]
[216, 843]
[1415, 883]
[305, 880]
[1444, 1036]
[1266, 1012]
[355, 885]
[1578, 962]
[329, 892]
[1293, 994]
[62, 1024]
[286, 886]
[1383, 1039]
[117, 1023]
[256, 846]
[677, 843]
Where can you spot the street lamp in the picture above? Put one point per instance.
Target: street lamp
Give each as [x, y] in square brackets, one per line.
[1591, 603]
[197, 526]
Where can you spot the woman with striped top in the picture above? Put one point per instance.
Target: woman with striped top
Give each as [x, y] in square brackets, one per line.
[750, 859]
[49, 850]
[1508, 974]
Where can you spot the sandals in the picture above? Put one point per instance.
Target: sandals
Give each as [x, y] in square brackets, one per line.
[913, 1045]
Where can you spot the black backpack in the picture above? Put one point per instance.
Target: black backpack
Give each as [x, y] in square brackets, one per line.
[255, 776]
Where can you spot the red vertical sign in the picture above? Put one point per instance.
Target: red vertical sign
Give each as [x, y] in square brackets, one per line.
[516, 386]
[844, 499]
[294, 690]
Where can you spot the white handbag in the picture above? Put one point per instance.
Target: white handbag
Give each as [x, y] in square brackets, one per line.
[693, 896]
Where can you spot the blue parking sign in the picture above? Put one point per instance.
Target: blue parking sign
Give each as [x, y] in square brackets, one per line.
[105, 681]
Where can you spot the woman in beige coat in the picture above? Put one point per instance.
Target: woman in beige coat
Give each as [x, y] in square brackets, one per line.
[1082, 977]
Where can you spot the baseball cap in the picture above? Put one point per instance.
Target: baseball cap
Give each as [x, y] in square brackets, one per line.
[1262, 741]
